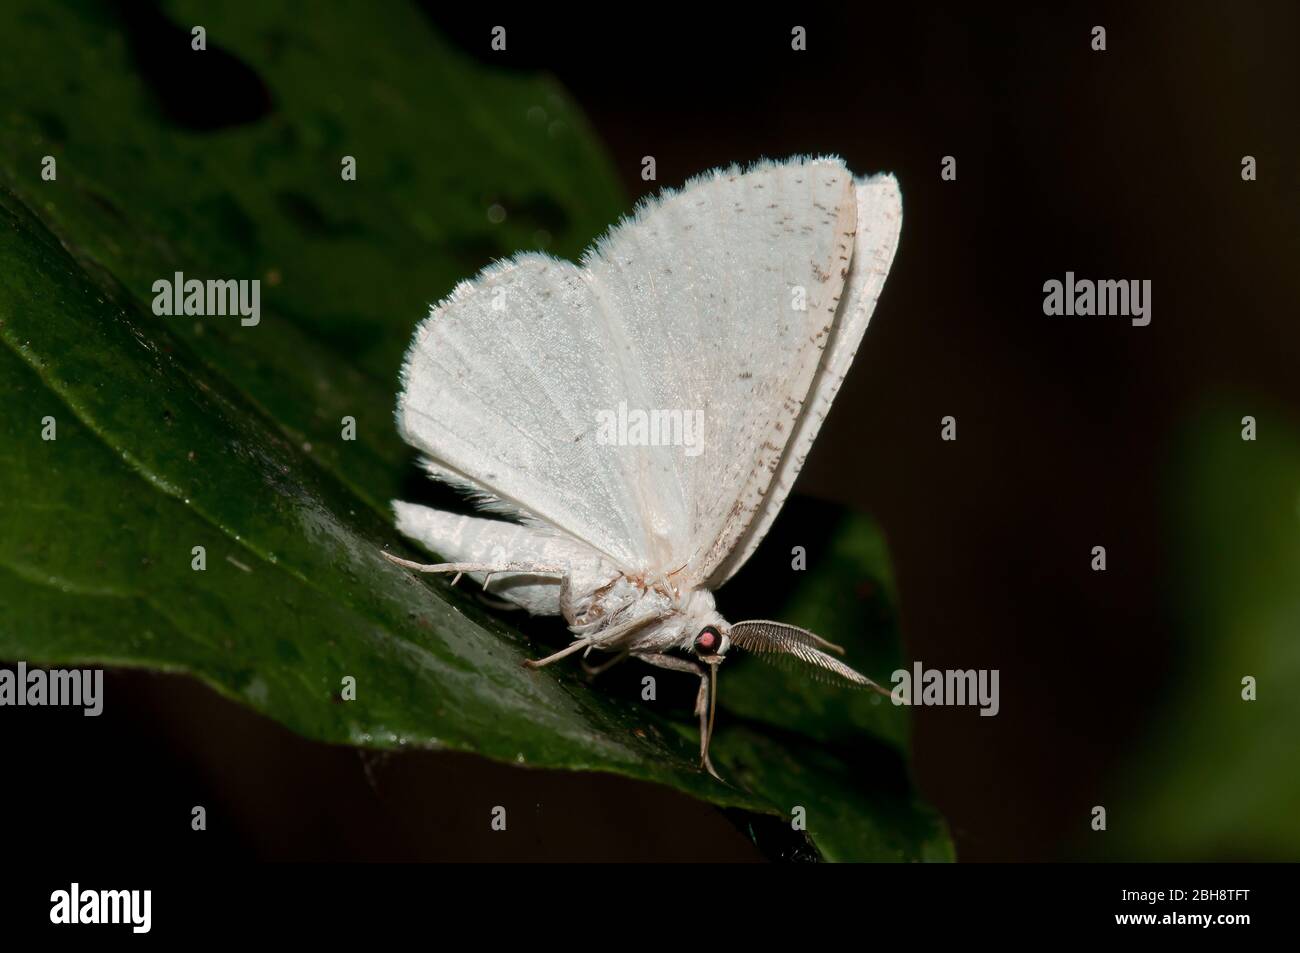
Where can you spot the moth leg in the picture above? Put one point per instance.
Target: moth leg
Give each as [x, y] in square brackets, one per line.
[605, 640]
[603, 666]
[575, 646]
[701, 699]
[490, 568]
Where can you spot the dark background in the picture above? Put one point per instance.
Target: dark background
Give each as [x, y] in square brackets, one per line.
[1117, 164]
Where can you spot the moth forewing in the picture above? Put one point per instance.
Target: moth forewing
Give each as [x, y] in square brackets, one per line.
[733, 504]
[879, 223]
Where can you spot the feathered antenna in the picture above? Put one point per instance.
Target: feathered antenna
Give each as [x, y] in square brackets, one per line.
[776, 638]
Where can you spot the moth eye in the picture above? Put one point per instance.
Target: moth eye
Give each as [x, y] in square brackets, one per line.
[709, 640]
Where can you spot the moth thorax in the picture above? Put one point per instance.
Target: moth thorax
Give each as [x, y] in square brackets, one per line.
[699, 604]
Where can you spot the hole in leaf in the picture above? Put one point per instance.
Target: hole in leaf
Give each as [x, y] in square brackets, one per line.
[199, 90]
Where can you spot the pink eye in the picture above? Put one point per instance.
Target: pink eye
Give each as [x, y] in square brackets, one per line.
[708, 641]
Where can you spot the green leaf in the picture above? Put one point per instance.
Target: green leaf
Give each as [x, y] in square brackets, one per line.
[347, 267]
[856, 801]
[178, 433]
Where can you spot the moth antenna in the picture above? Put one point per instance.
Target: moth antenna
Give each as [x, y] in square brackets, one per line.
[764, 637]
[794, 632]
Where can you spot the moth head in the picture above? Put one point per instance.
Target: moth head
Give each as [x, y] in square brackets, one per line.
[710, 642]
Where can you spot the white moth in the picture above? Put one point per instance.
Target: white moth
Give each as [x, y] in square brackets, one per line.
[737, 303]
